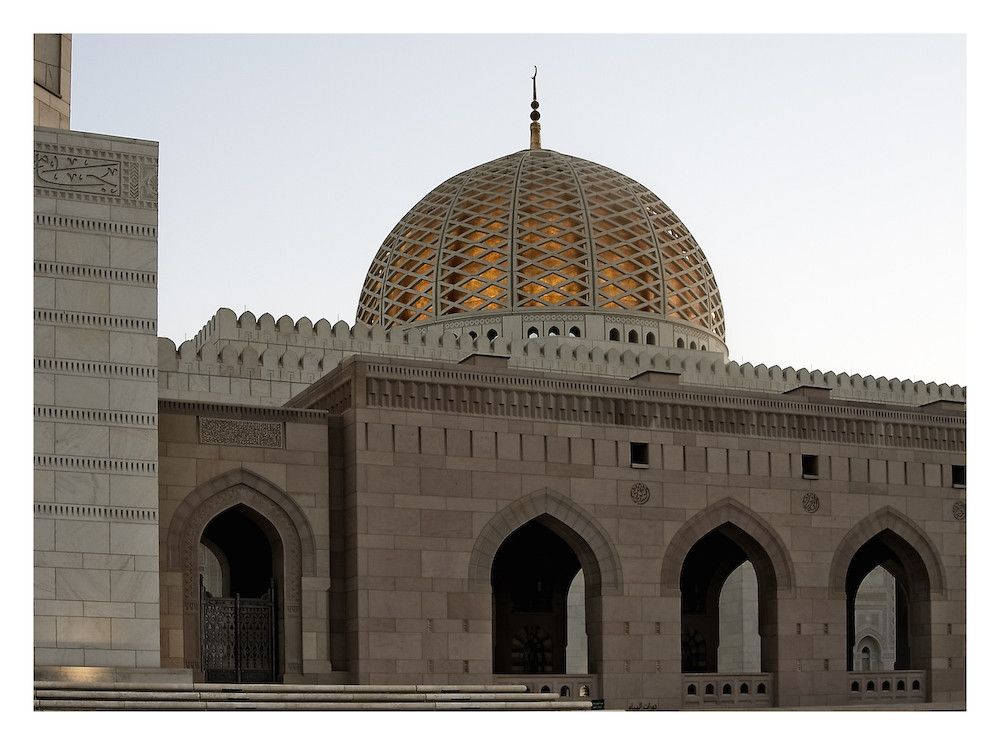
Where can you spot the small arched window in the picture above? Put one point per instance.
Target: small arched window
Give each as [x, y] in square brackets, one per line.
[473, 334]
[532, 333]
[886, 686]
[633, 337]
[564, 691]
[492, 334]
[680, 343]
[915, 686]
[727, 690]
[856, 687]
[584, 691]
[704, 348]
[901, 685]
[744, 688]
[553, 331]
[574, 332]
[692, 691]
[614, 335]
[710, 689]
[761, 688]
[693, 345]
[651, 338]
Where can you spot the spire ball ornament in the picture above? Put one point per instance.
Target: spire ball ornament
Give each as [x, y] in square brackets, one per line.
[536, 128]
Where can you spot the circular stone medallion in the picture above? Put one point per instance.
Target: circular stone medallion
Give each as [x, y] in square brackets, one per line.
[640, 493]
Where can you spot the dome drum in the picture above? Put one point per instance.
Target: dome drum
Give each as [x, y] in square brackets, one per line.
[624, 329]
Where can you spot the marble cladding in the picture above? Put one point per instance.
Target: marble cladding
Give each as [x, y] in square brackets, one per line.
[95, 399]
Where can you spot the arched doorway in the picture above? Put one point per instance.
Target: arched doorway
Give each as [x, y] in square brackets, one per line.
[531, 578]
[700, 558]
[709, 620]
[890, 540]
[240, 556]
[244, 497]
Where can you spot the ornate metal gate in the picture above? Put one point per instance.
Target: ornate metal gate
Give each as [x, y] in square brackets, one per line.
[238, 638]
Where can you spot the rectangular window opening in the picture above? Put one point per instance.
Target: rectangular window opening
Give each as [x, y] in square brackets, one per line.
[958, 476]
[810, 466]
[640, 454]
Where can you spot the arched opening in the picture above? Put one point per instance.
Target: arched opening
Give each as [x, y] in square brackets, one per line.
[532, 575]
[633, 337]
[875, 621]
[650, 338]
[614, 335]
[491, 334]
[240, 557]
[680, 343]
[693, 345]
[728, 604]
[574, 332]
[532, 333]
[888, 599]
[553, 331]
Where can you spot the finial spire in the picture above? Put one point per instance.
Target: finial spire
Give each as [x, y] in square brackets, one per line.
[536, 128]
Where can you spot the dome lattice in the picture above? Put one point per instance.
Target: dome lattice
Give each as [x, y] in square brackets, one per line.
[539, 230]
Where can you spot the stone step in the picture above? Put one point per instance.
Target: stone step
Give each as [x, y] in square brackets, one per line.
[69, 696]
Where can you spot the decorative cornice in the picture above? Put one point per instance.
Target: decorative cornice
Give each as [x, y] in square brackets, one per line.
[95, 273]
[95, 416]
[100, 465]
[91, 225]
[101, 513]
[243, 413]
[99, 369]
[540, 397]
[95, 320]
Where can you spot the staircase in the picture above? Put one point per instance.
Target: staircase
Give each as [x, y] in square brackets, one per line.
[79, 696]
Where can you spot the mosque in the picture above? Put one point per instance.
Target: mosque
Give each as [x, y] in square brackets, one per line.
[530, 461]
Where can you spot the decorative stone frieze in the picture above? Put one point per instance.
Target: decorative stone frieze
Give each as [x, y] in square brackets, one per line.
[240, 432]
[73, 172]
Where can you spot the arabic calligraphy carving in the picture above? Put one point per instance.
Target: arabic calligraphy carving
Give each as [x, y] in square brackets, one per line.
[77, 173]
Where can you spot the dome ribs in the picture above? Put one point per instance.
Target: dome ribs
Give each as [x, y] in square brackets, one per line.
[549, 228]
[475, 252]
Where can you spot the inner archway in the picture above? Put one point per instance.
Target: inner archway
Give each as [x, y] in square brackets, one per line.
[906, 585]
[240, 556]
[531, 577]
[875, 621]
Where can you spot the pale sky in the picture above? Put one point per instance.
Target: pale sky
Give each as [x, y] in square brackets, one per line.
[823, 175]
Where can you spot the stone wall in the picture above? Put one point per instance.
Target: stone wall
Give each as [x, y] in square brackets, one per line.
[434, 485]
[274, 465]
[95, 401]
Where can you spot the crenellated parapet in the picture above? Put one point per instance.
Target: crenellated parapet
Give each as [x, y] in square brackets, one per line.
[268, 361]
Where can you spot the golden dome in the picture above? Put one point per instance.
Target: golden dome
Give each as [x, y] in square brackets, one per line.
[541, 231]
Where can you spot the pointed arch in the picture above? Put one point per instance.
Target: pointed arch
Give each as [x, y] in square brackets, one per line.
[766, 551]
[913, 542]
[601, 565]
[288, 529]
[225, 491]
